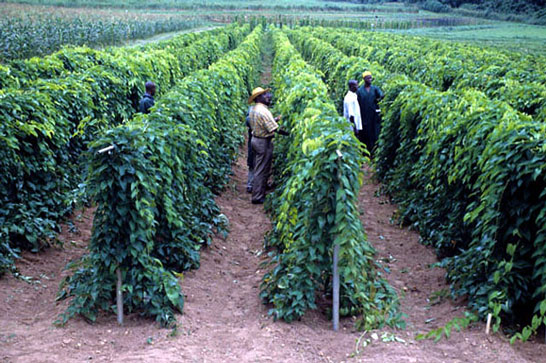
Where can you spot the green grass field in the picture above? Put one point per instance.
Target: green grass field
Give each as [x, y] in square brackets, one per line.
[515, 36]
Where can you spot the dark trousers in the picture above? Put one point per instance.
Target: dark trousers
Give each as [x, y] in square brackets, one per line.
[368, 138]
[250, 162]
[263, 156]
[371, 130]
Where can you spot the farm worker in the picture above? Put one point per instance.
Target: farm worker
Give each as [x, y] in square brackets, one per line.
[147, 101]
[250, 154]
[368, 96]
[263, 126]
[351, 109]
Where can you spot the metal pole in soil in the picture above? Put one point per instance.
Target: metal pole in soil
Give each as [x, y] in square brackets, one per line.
[335, 307]
[119, 293]
[119, 297]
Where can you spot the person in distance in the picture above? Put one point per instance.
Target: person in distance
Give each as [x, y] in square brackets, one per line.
[351, 109]
[263, 126]
[368, 96]
[147, 101]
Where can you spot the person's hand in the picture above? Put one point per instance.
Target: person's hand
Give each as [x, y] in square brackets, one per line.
[278, 118]
[283, 132]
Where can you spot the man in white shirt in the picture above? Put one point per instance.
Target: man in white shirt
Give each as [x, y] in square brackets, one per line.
[351, 109]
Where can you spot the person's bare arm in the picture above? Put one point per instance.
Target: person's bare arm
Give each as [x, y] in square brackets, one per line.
[280, 131]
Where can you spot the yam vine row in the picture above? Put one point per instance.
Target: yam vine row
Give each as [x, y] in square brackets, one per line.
[316, 205]
[519, 80]
[48, 123]
[155, 192]
[468, 173]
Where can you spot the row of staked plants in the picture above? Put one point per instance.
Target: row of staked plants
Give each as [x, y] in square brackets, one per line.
[27, 31]
[336, 68]
[21, 73]
[315, 205]
[299, 19]
[49, 122]
[468, 173]
[155, 190]
[519, 80]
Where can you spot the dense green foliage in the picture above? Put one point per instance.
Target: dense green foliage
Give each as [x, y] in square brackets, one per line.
[154, 192]
[27, 32]
[130, 64]
[511, 77]
[336, 67]
[530, 11]
[48, 123]
[316, 204]
[468, 173]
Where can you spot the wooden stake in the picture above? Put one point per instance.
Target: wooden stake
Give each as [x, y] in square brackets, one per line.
[119, 298]
[488, 325]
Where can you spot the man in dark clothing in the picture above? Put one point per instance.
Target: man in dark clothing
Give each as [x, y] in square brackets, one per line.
[147, 101]
[368, 96]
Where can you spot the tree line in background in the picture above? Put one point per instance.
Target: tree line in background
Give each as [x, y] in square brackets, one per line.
[532, 11]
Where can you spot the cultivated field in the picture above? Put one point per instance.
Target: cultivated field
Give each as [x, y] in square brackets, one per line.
[443, 228]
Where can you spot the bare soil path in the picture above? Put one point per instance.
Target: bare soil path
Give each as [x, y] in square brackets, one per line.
[224, 319]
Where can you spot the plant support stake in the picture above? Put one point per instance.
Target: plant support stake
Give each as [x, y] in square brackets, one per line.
[119, 297]
[108, 148]
[335, 307]
[488, 325]
[119, 293]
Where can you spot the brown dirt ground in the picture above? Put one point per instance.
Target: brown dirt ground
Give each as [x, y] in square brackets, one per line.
[224, 319]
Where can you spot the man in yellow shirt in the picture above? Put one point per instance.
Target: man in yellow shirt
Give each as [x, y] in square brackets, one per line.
[263, 126]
